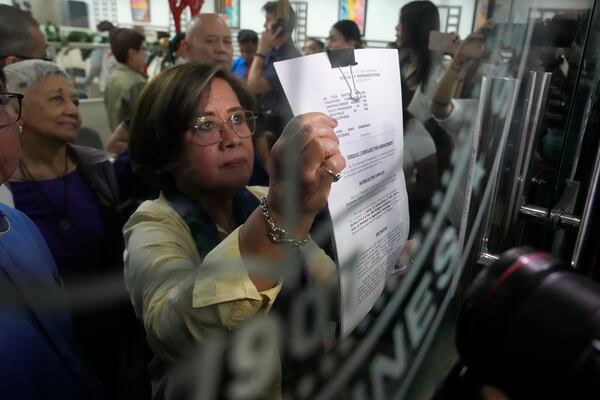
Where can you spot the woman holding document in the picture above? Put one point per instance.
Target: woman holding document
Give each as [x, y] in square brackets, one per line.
[189, 253]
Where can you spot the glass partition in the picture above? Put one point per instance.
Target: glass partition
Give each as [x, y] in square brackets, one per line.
[505, 165]
[518, 152]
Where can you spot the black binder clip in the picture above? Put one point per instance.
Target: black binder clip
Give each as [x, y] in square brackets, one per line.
[345, 58]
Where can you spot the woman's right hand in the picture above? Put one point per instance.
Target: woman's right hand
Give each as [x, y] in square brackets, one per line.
[473, 47]
[307, 144]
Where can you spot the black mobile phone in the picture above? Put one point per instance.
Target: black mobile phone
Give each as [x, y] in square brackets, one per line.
[280, 23]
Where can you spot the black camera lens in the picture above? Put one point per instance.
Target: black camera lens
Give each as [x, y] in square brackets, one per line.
[531, 327]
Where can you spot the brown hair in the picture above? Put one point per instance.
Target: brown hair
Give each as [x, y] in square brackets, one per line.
[123, 39]
[166, 110]
[417, 19]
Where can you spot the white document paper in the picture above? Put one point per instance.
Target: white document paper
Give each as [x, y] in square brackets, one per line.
[369, 205]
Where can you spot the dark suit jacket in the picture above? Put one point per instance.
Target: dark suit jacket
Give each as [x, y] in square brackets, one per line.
[38, 355]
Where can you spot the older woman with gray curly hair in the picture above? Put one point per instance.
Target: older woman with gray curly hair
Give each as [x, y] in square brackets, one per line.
[70, 192]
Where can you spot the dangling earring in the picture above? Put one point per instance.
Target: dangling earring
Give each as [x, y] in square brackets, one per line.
[20, 128]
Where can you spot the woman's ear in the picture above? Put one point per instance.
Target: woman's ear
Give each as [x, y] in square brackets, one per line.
[184, 49]
[130, 54]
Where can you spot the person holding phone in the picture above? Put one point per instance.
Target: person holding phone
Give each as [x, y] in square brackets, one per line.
[275, 44]
[453, 110]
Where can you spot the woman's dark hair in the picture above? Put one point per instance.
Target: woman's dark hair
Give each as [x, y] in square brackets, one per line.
[165, 110]
[350, 31]
[123, 39]
[417, 19]
[2, 80]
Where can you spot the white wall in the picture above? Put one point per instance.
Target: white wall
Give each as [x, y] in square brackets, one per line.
[521, 8]
[382, 16]
[468, 12]
[251, 15]
[159, 14]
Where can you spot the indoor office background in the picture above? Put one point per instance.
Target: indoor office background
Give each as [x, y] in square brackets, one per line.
[535, 139]
[315, 16]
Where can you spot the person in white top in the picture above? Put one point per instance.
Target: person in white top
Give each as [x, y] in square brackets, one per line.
[419, 162]
[420, 66]
[456, 115]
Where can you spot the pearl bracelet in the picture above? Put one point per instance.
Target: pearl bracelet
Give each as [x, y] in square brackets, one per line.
[276, 234]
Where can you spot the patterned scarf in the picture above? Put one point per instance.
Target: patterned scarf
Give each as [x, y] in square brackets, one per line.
[204, 230]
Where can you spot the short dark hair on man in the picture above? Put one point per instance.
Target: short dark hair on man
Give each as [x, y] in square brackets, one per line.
[15, 34]
[270, 8]
[123, 39]
[166, 109]
[318, 42]
[247, 36]
[105, 26]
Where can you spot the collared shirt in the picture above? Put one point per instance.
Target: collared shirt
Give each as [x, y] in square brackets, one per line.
[122, 92]
[240, 67]
[182, 298]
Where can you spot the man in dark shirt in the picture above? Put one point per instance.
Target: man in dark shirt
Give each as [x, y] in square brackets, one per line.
[275, 44]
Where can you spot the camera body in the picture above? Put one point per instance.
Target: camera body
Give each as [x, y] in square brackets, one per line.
[531, 327]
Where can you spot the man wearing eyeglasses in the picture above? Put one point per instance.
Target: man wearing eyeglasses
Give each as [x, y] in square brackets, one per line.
[20, 37]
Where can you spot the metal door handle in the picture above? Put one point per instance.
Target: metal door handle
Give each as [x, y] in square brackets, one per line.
[556, 217]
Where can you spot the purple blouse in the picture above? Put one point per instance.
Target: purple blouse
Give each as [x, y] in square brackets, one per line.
[72, 225]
